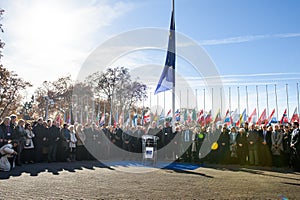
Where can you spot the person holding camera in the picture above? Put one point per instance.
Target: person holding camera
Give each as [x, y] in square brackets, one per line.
[7, 156]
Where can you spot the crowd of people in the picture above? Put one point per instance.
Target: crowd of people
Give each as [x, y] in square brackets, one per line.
[24, 142]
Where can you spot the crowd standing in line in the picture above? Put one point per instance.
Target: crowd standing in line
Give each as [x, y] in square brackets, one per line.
[24, 142]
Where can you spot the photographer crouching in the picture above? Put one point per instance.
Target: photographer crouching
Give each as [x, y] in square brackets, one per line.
[8, 156]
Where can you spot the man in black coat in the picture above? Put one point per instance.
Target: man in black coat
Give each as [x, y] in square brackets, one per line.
[295, 146]
[40, 139]
[265, 144]
[53, 139]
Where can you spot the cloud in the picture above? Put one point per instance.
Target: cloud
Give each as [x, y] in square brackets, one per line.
[247, 38]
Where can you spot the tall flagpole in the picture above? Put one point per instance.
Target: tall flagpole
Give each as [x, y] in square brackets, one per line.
[212, 101]
[173, 90]
[204, 100]
[180, 100]
[276, 101]
[187, 98]
[165, 106]
[287, 100]
[150, 98]
[157, 103]
[229, 99]
[221, 100]
[267, 95]
[196, 100]
[247, 102]
[239, 106]
[257, 101]
[298, 98]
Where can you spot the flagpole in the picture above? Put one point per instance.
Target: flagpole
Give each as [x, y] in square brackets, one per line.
[221, 100]
[212, 101]
[157, 102]
[239, 107]
[196, 100]
[165, 106]
[247, 102]
[276, 100]
[229, 99]
[267, 95]
[204, 100]
[173, 90]
[298, 97]
[287, 100]
[187, 98]
[179, 100]
[257, 100]
[150, 97]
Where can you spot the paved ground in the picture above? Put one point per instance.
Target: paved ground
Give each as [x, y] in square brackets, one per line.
[91, 180]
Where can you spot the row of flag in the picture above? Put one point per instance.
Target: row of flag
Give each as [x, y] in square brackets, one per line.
[231, 118]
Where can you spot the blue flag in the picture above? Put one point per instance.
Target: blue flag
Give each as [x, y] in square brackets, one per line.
[167, 78]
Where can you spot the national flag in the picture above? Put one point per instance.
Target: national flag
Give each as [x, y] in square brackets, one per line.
[161, 117]
[270, 117]
[228, 119]
[218, 117]
[194, 115]
[273, 120]
[252, 117]
[169, 116]
[147, 117]
[200, 116]
[177, 115]
[167, 79]
[235, 116]
[185, 115]
[155, 117]
[243, 117]
[263, 117]
[284, 118]
[295, 116]
[134, 119]
[102, 120]
[208, 118]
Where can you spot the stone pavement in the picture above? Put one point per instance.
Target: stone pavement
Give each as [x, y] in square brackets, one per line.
[93, 180]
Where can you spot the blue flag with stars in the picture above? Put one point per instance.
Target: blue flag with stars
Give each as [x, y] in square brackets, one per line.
[167, 78]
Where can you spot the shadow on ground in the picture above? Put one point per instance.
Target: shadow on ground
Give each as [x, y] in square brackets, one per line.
[54, 168]
[257, 170]
[175, 167]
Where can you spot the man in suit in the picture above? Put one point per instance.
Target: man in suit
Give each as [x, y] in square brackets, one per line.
[295, 146]
[265, 144]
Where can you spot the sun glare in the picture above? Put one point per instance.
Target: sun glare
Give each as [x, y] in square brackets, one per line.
[49, 26]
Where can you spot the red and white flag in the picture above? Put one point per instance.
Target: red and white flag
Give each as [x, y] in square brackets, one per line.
[295, 116]
[252, 117]
[263, 117]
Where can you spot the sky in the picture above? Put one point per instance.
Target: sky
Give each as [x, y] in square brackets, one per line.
[251, 43]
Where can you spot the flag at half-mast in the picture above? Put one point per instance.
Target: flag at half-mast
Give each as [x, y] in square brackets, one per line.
[167, 78]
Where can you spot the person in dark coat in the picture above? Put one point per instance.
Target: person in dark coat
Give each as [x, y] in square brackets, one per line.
[53, 139]
[7, 132]
[242, 147]
[265, 144]
[224, 146]
[40, 139]
[64, 143]
[295, 146]
[253, 143]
